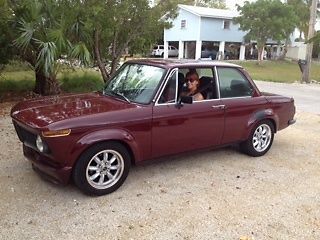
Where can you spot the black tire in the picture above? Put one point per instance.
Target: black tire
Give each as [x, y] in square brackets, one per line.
[256, 136]
[114, 162]
[162, 55]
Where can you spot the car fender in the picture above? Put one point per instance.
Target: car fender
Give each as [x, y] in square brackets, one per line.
[114, 134]
[259, 116]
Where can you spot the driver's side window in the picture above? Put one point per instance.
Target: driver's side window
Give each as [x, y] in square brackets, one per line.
[169, 92]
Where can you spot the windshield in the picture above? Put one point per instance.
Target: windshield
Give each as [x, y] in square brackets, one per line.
[135, 83]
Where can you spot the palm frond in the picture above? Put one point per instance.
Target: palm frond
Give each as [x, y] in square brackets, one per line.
[58, 37]
[46, 57]
[26, 31]
[79, 32]
[81, 52]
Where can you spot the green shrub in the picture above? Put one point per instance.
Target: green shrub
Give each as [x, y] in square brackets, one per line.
[16, 65]
[17, 86]
[85, 82]
[70, 80]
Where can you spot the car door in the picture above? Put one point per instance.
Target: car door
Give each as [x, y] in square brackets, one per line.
[180, 128]
[237, 94]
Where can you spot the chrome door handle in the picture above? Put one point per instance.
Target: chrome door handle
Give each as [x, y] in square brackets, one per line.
[219, 107]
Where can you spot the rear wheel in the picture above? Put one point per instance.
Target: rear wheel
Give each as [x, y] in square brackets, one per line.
[102, 168]
[260, 139]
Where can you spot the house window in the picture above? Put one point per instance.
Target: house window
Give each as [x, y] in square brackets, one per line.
[183, 24]
[226, 24]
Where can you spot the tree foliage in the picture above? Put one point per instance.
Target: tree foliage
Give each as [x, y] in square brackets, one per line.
[92, 31]
[114, 27]
[5, 34]
[302, 11]
[211, 3]
[42, 34]
[205, 3]
[266, 19]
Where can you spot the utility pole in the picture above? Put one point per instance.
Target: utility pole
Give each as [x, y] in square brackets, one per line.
[307, 69]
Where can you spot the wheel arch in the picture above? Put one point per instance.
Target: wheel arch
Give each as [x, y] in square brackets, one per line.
[111, 135]
[266, 114]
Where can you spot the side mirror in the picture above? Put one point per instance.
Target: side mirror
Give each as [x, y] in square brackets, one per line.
[184, 99]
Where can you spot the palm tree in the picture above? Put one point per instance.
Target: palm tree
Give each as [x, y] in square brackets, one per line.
[43, 34]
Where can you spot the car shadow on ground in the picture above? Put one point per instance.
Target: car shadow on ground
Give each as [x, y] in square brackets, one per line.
[151, 170]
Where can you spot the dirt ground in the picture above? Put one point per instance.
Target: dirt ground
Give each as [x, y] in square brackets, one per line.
[218, 194]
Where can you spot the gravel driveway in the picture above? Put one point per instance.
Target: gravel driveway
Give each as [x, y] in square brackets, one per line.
[218, 194]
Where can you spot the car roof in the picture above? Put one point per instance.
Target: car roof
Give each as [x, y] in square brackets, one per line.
[172, 63]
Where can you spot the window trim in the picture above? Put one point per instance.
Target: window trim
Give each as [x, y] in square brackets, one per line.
[161, 89]
[223, 24]
[170, 74]
[217, 82]
[183, 24]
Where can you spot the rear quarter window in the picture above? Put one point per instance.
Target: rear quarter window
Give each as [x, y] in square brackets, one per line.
[232, 83]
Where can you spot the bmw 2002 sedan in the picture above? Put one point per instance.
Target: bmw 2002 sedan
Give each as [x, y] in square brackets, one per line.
[143, 113]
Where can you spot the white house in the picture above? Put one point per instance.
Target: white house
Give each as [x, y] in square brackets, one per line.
[197, 25]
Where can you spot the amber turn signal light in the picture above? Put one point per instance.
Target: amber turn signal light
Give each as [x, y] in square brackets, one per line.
[56, 133]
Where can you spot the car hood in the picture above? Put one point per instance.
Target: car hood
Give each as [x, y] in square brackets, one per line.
[67, 110]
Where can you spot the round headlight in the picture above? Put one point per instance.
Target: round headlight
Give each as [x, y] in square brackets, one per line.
[39, 144]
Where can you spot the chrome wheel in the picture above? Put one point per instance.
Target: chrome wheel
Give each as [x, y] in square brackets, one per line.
[105, 169]
[262, 137]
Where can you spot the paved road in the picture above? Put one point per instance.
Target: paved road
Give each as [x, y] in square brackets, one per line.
[307, 97]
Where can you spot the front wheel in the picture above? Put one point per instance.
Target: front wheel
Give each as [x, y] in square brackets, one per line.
[102, 168]
[260, 139]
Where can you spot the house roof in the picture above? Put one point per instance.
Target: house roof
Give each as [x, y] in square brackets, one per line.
[209, 12]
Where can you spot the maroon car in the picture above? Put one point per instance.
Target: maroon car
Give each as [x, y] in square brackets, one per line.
[143, 113]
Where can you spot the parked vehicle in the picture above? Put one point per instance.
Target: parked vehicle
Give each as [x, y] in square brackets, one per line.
[212, 54]
[158, 51]
[142, 114]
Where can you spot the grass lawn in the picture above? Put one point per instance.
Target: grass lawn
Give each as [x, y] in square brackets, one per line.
[278, 71]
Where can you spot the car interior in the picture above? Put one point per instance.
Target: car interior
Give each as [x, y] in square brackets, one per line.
[207, 85]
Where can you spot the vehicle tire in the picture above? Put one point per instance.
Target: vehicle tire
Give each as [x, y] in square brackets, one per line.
[162, 55]
[102, 168]
[260, 139]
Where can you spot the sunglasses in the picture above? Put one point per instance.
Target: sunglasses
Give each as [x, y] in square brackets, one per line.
[191, 80]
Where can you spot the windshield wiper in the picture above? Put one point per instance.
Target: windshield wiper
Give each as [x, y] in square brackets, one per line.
[119, 95]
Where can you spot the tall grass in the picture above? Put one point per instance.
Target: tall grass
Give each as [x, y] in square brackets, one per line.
[16, 65]
[70, 81]
[16, 82]
[81, 82]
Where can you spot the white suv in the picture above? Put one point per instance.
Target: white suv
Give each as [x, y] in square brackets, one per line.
[158, 51]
